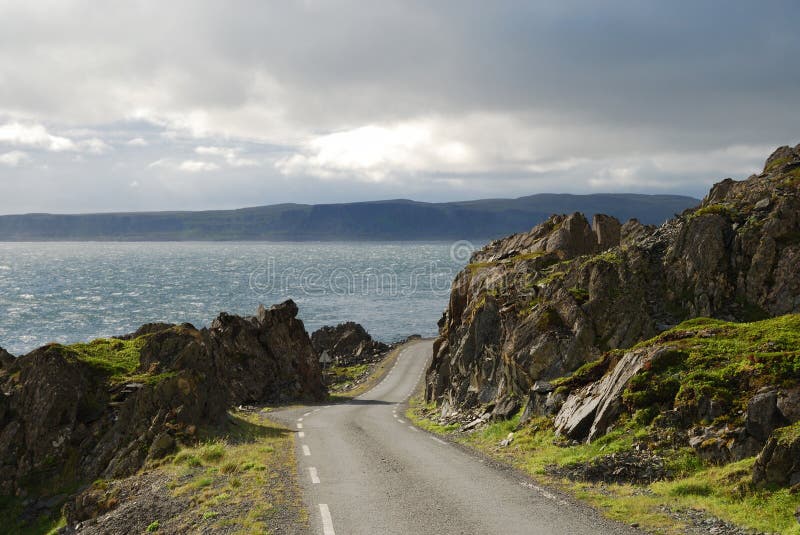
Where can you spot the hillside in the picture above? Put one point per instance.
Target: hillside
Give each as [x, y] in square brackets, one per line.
[672, 348]
[379, 220]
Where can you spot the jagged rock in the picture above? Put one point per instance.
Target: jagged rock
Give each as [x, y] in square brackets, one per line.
[348, 344]
[723, 445]
[779, 461]
[6, 359]
[789, 404]
[65, 417]
[537, 305]
[588, 412]
[762, 414]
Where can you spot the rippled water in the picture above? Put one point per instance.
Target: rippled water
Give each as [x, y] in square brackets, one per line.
[68, 292]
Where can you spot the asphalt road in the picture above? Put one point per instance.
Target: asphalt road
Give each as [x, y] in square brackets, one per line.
[366, 470]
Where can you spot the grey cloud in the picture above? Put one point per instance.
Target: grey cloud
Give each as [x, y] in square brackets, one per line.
[537, 96]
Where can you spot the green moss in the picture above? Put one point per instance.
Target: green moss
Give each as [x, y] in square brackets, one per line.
[549, 320]
[608, 257]
[719, 209]
[153, 527]
[117, 358]
[581, 295]
[788, 434]
[775, 164]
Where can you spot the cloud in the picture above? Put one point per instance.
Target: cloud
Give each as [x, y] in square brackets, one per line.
[34, 135]
[197, 166]
[14, 158]
[322, 101]
[230, 155]
[376, 152]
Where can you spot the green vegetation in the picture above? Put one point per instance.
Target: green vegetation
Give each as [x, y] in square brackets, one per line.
[777, 163]
[724, 492]
[722, 361]
[718, 209]
[713, 359]
[117, 358]
[153, 527]
[608, 257]
[344, 377]
[581, 295]
[238, 479]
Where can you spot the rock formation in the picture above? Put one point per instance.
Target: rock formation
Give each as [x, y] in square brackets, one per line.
[76, 413]
[532, 308]
[348, 344]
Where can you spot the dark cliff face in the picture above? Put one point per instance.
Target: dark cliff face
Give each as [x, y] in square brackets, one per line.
[70, 413]
[537, 305]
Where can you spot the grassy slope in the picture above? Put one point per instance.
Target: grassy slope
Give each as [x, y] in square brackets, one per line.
[724, 361]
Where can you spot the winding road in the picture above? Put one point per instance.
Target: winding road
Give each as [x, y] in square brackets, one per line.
[366, 470]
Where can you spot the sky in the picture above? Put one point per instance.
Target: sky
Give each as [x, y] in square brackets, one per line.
[196, 104]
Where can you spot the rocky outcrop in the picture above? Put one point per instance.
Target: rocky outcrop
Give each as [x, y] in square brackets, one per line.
[588, 412]
[75, 413]
[348, 344]
[779, 461]
[536, 306]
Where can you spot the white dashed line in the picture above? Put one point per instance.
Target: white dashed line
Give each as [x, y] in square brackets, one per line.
[299, 426]
[308, 413]
[412, 427]
[400, 421]
[306, 451]
[299, 419]
[440, 441]
[301, 434]
[312, 472]
[327, 521]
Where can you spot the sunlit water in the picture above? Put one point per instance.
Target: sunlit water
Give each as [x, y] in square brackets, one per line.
[68, 292]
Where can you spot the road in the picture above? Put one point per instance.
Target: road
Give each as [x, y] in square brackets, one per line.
[366, 470]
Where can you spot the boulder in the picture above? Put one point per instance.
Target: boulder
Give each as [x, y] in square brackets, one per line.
[762, 414]
[63, 416]
[588, 412]
[348, 344]
[789, 404]
[779, 461]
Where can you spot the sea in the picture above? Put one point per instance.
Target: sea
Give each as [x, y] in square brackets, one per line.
[70, 292]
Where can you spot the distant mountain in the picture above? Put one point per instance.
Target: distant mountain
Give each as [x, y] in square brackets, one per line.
[378, 220]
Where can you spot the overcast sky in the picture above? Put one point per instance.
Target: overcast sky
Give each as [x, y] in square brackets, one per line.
[122, 105]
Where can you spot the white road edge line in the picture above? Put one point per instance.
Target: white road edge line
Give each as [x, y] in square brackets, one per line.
[412, 427]
[327, 521]
[306, 451]
[314, 476]
[400, 421]
[439, 440]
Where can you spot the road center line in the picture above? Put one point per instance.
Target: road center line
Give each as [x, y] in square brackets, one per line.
[308, 413]
[299, 419]
[327, 521]
[306, 451]
[301, 434]
[314, 476]
[299, 426]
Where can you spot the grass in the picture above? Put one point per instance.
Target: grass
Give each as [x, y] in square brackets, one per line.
[117, 358]
[376, 375]
[724, 491]
[712, 359]
[241, 480]
[718, 209]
